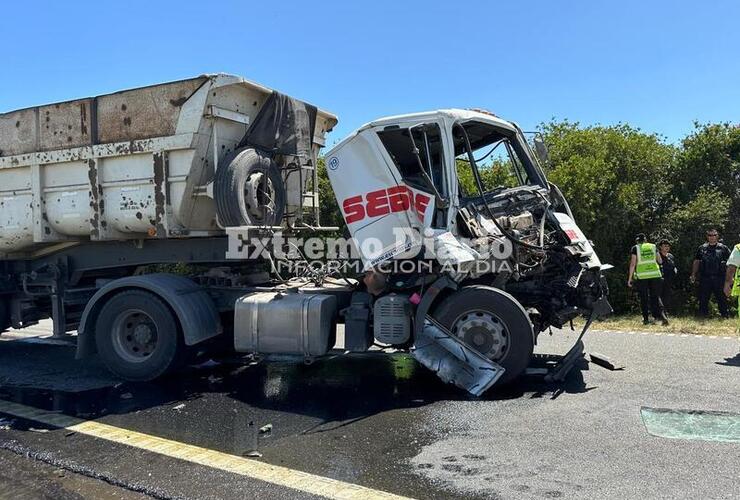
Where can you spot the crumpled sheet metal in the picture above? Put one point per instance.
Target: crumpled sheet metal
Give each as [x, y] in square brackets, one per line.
[453, 361]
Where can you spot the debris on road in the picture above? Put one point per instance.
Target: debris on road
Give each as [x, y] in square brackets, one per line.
[266, 428]
[605, 361]
[209, 363]
[252, 454]
[127, 395]
[453, 361]
[179, 407]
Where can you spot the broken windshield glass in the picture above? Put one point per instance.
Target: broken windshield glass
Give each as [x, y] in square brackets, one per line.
[499, 157]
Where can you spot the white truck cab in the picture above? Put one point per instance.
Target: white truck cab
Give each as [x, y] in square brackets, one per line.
[402, 175]
[464, 190]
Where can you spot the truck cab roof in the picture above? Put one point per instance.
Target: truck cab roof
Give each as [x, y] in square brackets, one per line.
[448, 116]
[452, 115]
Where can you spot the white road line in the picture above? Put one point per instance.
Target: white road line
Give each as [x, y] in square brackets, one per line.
[665, 334]
[275, 474]
[34, 339]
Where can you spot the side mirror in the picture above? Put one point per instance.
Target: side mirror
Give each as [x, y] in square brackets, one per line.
[541, 150]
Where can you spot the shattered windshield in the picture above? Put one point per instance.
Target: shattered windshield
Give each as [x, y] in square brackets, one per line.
[418, 154]
[499, 159]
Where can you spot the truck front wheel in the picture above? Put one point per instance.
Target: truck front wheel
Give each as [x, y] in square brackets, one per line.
[493, 323]
[137, 336]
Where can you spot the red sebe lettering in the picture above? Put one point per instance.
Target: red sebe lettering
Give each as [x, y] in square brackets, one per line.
[383, 202]
[353, 209]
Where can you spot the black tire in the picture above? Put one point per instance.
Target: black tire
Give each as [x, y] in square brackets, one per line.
[4, 314]
[249, 170]
[117, 336]
[461, 308]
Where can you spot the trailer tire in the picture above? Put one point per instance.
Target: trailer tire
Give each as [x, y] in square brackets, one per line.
[492, 322]
[138, 336]
[249, 190]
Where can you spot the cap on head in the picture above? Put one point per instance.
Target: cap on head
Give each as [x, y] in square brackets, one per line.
[640, 238]
[664, 242]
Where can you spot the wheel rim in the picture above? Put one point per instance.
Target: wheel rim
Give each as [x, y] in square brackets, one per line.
[484, 332]
[259, 195]
[134, 336]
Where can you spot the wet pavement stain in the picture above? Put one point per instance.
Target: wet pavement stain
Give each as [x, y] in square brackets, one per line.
[331, 418]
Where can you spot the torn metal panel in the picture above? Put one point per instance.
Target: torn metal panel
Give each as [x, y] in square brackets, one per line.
[453, 253]
[453, 361]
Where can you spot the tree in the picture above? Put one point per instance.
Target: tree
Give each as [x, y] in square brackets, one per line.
[329, 213]
[614, 178]
[709, 162]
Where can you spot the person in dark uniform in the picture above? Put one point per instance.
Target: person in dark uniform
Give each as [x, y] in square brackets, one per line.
[709, 268]
[669, 271]
[645, 273]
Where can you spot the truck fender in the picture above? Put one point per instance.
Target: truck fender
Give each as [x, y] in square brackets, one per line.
[194, 308]
[425, 305]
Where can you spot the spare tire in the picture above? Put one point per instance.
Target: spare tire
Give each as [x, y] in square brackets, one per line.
[249, 190]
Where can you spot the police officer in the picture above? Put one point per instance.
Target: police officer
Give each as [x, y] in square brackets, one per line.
[709, 265]
[645, 272]
[732, 278]
[669, 271]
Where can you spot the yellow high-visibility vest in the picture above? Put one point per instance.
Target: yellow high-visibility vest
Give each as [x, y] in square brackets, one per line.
[647, 267]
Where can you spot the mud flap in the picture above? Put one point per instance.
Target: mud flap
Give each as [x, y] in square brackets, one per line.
[453, 361]
[560, 370]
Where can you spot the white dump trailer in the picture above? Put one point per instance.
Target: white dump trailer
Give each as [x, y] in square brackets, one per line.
[98, 194]
[142, 164]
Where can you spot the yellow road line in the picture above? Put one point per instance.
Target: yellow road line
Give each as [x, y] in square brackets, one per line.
[275, 474]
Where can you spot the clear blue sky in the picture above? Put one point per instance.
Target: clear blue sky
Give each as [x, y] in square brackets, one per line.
[656, 65]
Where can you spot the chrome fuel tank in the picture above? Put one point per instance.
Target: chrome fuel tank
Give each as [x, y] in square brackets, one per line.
[285, 323]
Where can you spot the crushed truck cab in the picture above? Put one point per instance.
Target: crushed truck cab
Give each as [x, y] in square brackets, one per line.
[463, 192]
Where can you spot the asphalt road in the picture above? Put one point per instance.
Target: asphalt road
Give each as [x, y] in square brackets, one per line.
[378, 421]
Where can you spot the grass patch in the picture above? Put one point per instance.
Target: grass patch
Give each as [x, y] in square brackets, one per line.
[684, 324]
